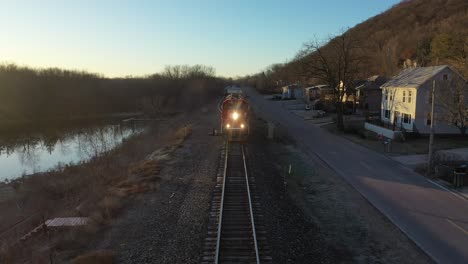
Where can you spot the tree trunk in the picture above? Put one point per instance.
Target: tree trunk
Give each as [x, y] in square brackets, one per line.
[339, 116]
[463, 131]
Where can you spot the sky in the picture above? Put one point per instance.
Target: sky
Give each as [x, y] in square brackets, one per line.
[122, 38]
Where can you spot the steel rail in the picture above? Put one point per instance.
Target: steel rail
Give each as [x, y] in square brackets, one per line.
[257, 255]
[220, 218]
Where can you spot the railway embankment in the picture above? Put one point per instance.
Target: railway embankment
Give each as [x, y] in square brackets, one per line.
[168, 224]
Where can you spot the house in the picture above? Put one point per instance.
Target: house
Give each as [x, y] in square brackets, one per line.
[407, 100]
[369, 95]
[315, 92]
[292, 91]
[349, 98]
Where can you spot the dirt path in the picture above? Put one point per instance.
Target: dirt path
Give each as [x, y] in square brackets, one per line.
[168, 225]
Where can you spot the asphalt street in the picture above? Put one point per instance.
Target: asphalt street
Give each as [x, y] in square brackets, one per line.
[433, 217]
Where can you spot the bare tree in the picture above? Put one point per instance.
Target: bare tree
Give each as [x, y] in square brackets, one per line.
[337, 64]
[452, 99]
[390, 103]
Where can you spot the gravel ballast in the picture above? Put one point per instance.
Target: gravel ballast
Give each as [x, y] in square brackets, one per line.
[168, 225]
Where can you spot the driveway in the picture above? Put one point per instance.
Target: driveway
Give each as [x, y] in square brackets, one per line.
[434, 218]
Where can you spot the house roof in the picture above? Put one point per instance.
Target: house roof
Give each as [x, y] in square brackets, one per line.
[378, 79]
[318, 87]
[414, 77]
[373, 82]
[292, 86]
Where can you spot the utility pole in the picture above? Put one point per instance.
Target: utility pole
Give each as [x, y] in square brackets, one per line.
[431, 137]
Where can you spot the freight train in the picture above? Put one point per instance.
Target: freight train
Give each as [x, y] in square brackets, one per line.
[235, 117]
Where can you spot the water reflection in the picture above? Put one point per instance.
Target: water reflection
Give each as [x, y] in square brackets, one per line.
[42, 151]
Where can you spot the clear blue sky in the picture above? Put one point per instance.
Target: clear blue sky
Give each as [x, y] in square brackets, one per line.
[119, 38]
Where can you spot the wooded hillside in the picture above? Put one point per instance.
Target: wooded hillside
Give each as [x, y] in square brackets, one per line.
[414, 32]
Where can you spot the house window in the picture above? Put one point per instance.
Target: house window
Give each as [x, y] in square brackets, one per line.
[387, 113]
[404, 96]
[406, 118]
[445, 77]
[386, 94]
[409, 96]
[428, 119]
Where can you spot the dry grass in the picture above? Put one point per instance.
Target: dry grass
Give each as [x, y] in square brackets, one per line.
[181, 134]
[96, 257]
[6, 253]
[96, 189]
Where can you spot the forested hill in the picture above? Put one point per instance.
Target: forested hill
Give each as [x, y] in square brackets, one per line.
[426, 31]
[413, 32]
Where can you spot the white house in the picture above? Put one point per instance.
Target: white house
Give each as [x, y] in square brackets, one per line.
[407, 100]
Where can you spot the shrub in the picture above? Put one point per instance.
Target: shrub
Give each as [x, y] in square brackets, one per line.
[354, 128]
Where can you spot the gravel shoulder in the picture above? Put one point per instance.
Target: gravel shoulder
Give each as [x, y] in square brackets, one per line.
[314, 216]
[168, 225]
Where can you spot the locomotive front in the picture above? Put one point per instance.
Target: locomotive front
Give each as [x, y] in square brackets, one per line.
[235, 118]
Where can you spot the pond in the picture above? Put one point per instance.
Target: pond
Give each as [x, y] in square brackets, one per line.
[25, 153]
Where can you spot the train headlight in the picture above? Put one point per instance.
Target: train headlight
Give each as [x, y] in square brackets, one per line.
[242, 126]
[235, 115]
[228, 126]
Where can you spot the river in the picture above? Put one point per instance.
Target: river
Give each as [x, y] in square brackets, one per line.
[25, 153]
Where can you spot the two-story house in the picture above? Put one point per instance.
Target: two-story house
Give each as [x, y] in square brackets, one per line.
[407, 100]
[369, 95]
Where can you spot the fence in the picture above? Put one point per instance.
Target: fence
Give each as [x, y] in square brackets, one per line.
[386, 132]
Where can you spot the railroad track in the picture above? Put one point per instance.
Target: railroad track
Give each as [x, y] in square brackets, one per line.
[235, 232]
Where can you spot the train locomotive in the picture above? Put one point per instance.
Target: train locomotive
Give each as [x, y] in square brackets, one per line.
[235, 117]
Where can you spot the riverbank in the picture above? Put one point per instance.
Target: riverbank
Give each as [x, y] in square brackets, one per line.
[43, 149]
[24, 122]
[96, 189]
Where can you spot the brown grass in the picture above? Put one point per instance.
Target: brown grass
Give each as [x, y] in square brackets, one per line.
[96, 257]
[181, 134]
[6, 253]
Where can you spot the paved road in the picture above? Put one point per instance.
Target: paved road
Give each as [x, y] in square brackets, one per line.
[436, 219]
